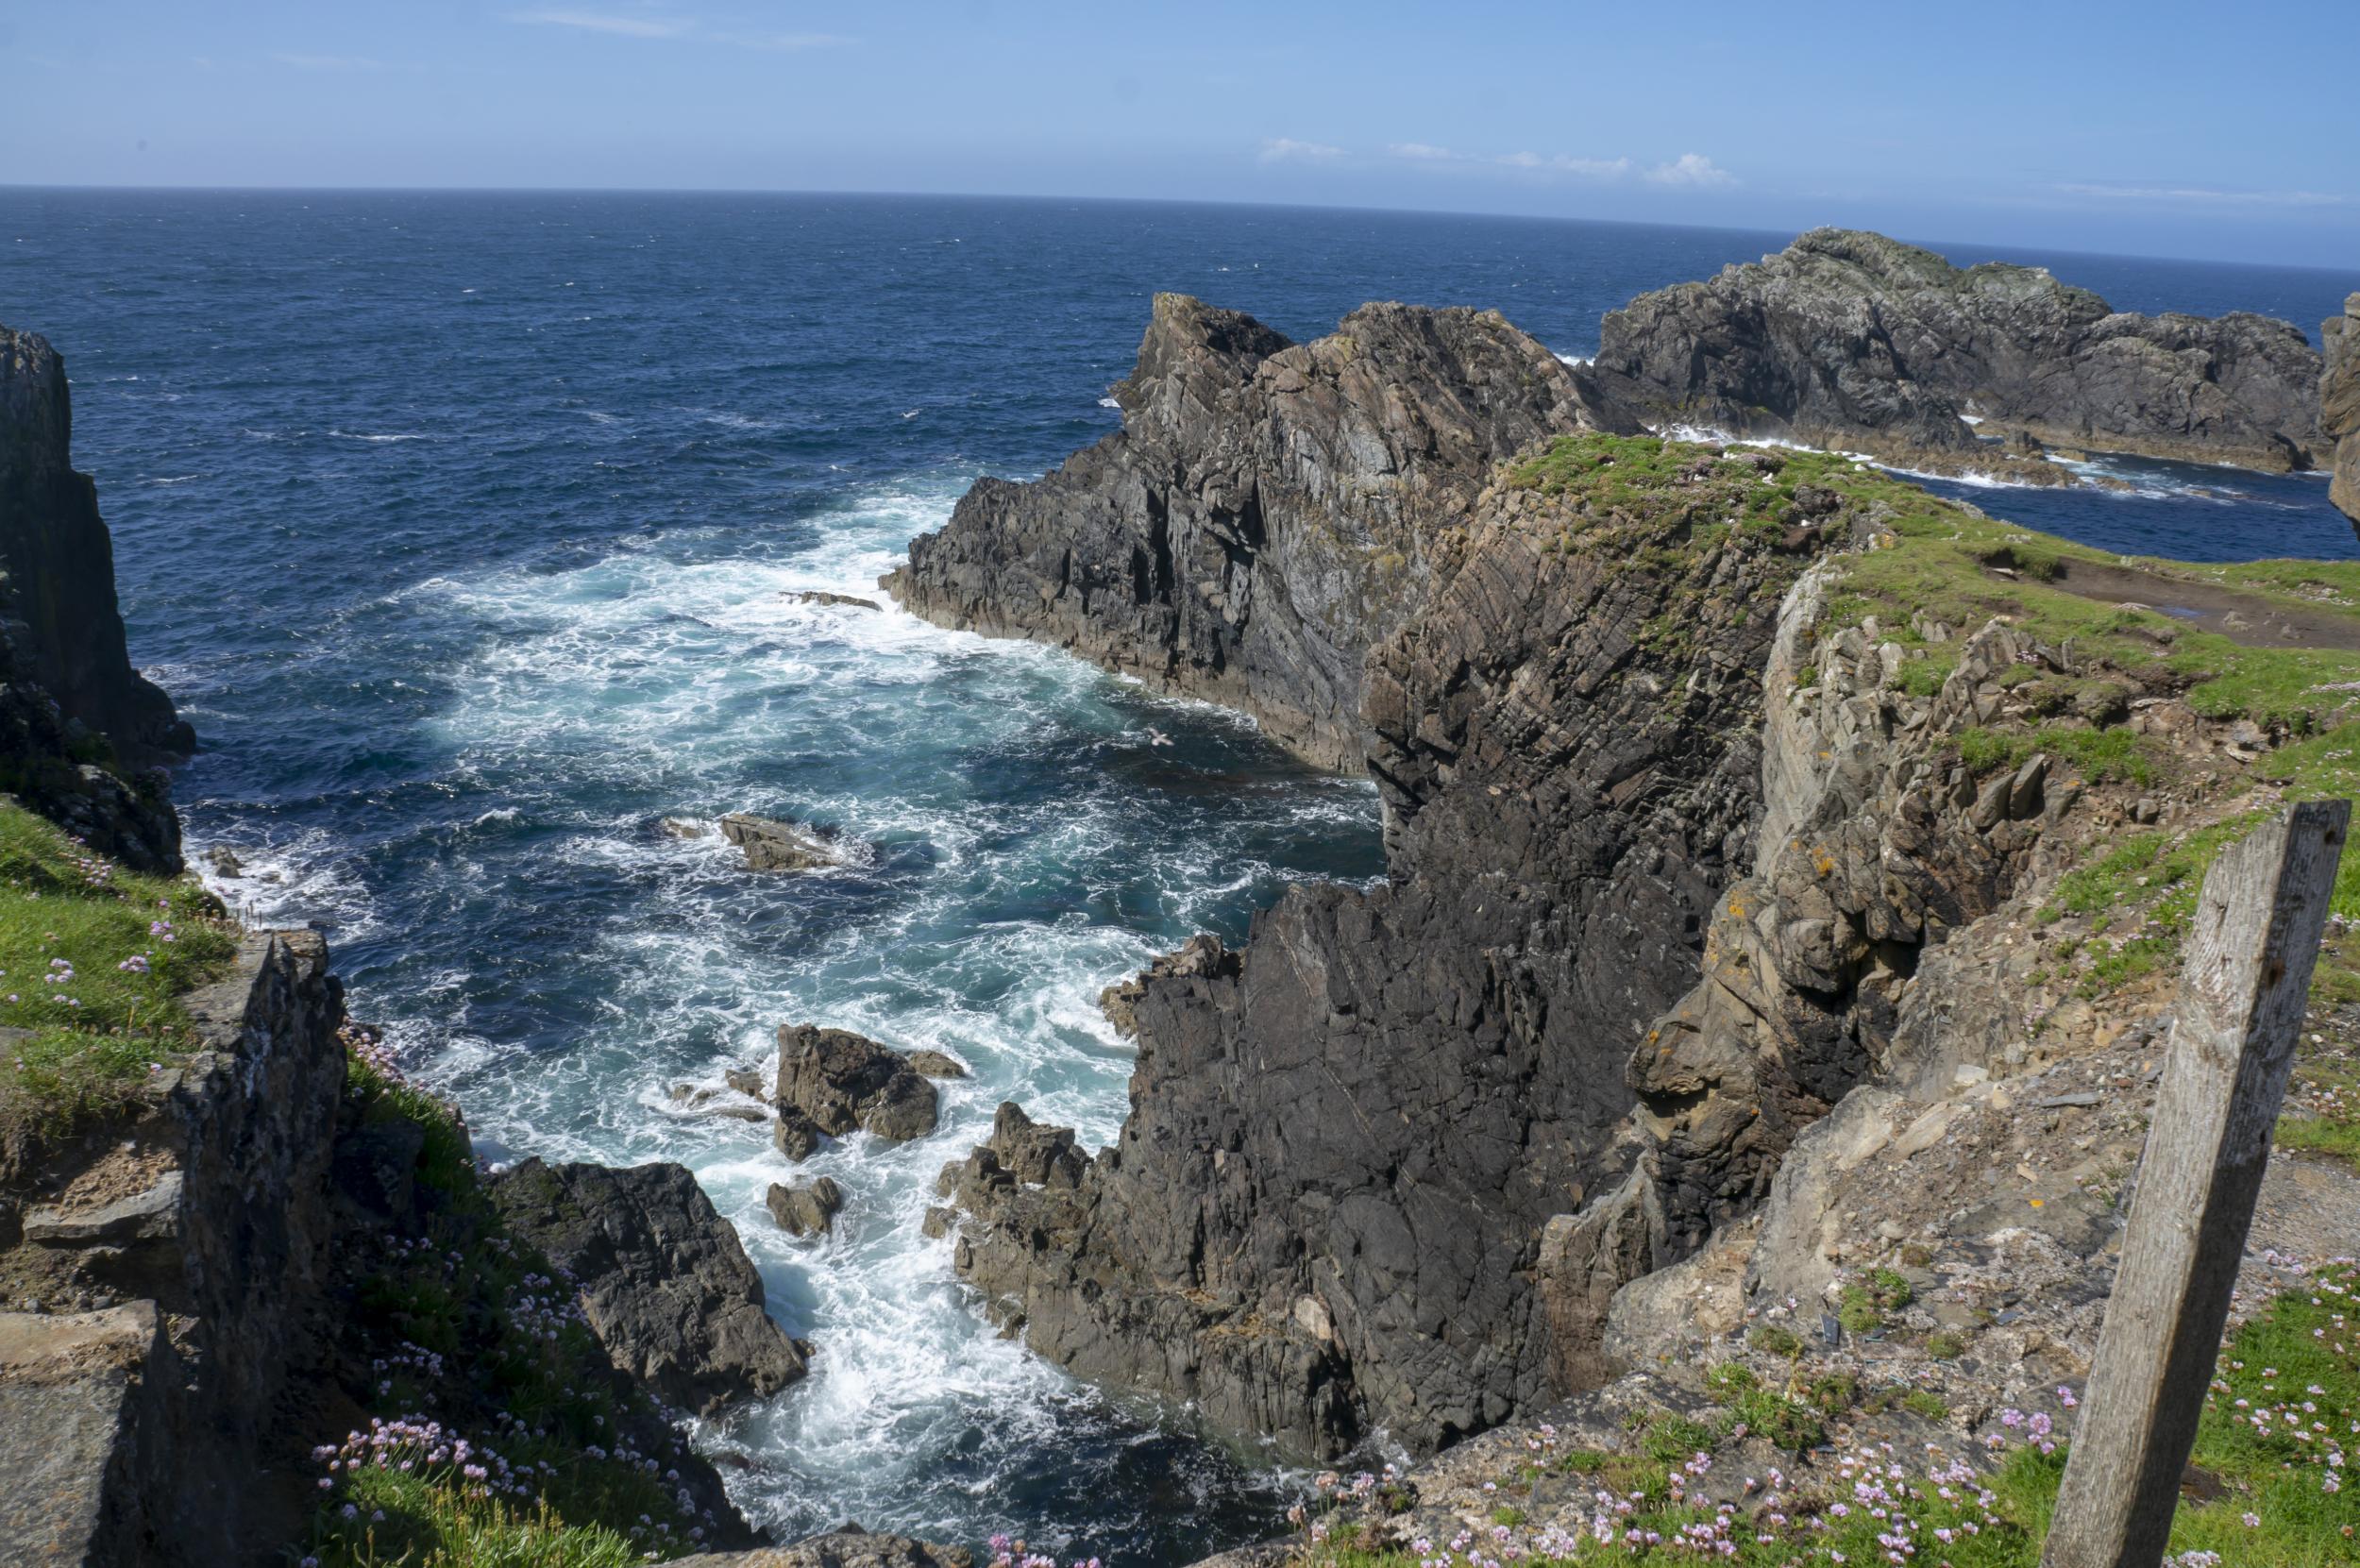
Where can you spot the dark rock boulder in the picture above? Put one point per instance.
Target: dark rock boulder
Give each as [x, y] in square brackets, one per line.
[771, 844]
[1850, 340]
[840, 1081]
[1198, 955]
[1267, 513]
[933, 1064]
[665, 1283]
[808, 1209]
[2339, 406]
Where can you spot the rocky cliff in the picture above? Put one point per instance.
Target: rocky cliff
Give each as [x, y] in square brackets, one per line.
[1325, 1210]
[59, 598]
[1849, 339]
[2340, 405]
[1268, 513]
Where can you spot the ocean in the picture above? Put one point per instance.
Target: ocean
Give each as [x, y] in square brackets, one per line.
[464, 527]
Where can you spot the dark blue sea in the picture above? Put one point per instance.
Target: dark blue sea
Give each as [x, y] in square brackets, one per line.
[463, 528]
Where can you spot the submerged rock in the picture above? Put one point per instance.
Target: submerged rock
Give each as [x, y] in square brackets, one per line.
[807, 1209]
[665, 1283]
[841, 601]
[772, 845]
[1848, 339]
[841, 1081]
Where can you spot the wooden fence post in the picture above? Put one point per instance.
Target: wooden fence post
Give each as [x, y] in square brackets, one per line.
[2242, 994]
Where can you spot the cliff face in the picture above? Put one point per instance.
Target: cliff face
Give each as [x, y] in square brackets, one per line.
[59, 594]
[182, 1261]
[1268, 513]
[1849, 339]
[2340, 405]
[1324, 1211]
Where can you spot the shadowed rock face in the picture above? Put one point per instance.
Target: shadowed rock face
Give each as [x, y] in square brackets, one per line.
[59, 593]
[1268, 513]
[665, 1282]
[1849, 339]
[1324, 1213]
[2339, 406]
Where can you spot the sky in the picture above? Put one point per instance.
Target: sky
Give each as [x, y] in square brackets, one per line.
[2215, 131]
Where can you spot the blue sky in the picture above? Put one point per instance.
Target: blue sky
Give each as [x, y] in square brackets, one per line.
[2215, 131]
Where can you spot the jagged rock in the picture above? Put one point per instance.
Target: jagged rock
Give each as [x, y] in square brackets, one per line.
[59, 597]
[703, 1100]
[841, 601]
[848, 1548]
[1325, 1208]
[2339, 406]
[840, 1081]
[808, 1209]
[665, 1283]
[1199, 955]
[1851, 340]
[796, 1136]
[933, 1064]
[1268, 513]
[771, 844]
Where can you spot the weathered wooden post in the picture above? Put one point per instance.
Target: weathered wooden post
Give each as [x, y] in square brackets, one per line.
[2247, 976]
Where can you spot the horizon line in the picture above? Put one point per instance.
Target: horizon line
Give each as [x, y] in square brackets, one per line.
[12, 186]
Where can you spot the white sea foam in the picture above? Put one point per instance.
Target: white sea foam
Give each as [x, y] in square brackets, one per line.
[678, 674]
[351, 435]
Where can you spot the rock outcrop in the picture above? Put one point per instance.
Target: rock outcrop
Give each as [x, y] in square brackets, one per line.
[771, 844]
[839, 1081]
[848, 1548]
[665, 1282]
[807, 1209]
[2339, 406]
[1269, 512]
[1323, 1212]
[59, 598]
[1850, 340]
[180, 1266]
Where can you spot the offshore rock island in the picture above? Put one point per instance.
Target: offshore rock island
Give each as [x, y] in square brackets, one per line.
[1746, 1054]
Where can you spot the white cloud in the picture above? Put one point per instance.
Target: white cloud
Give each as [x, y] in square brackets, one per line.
[2207, 195]
[1560, 163]
[1286, 149]
[1419, 152]
[325, 62]
[626, 26]
[1693, 170]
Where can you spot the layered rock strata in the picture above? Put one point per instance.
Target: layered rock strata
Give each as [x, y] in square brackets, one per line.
[1268, 513]
[2339, 406]
[1322, 1214]
[1849, 340]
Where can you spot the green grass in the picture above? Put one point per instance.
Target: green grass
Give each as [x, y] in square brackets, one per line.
[2303, 1341]
[2094, 756]
[92, 962]
[464, 1327]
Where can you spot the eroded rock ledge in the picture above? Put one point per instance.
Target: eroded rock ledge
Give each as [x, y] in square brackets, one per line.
[2340, 405]
[1850, 340]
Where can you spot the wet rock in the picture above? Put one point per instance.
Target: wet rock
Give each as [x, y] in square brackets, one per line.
[665, 1283]
[1201, 955]
[224, 859]
[772, 845]
[796, 1136]
[933, 1064]
[841, 601]
[842, 1081]
[809, 1208]
[703, 1100]
[683, 827]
